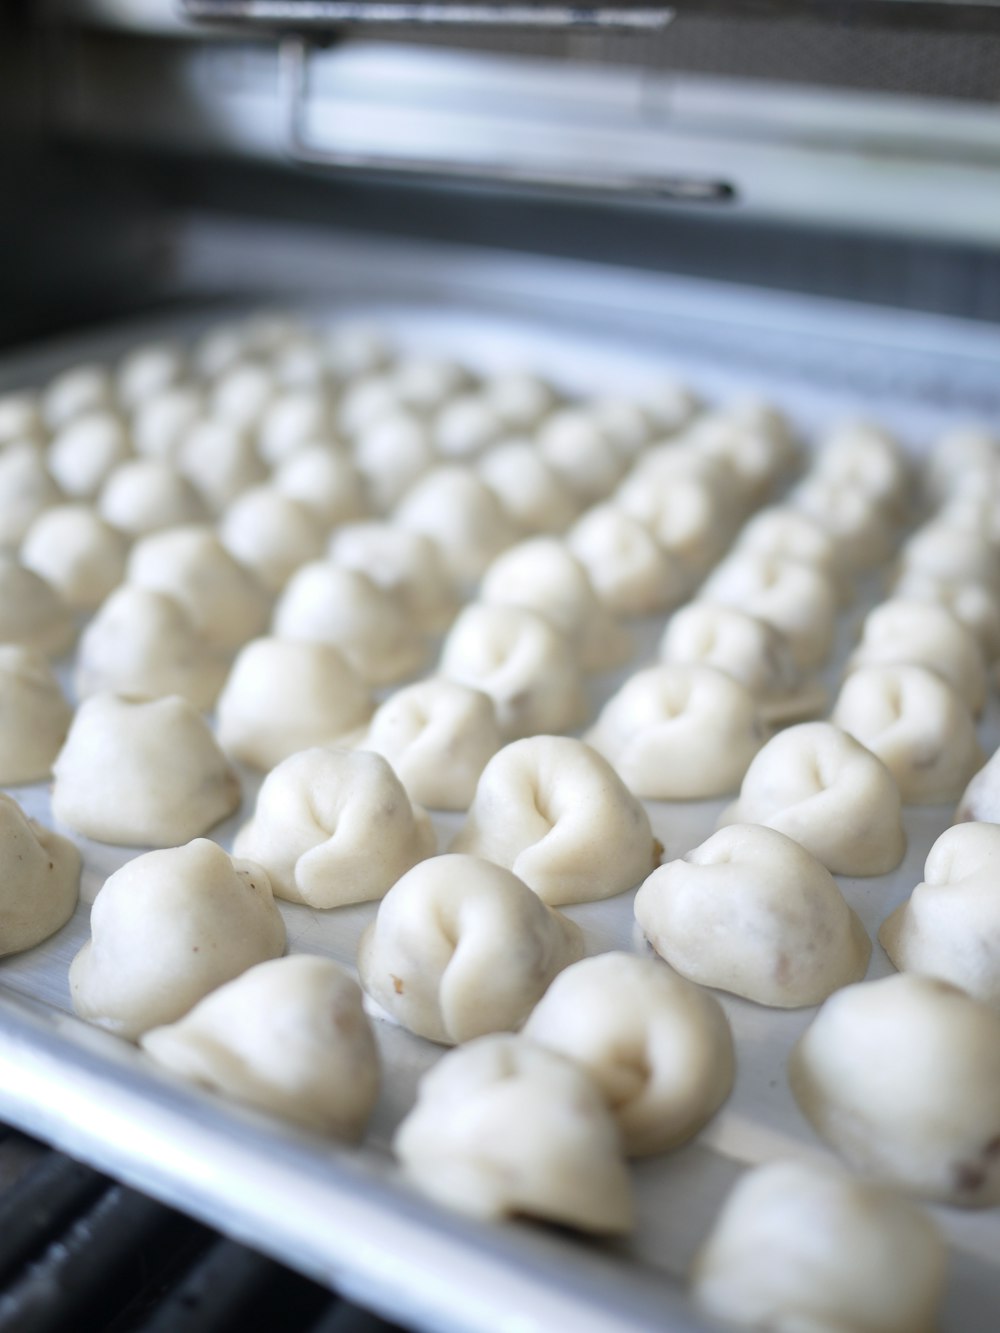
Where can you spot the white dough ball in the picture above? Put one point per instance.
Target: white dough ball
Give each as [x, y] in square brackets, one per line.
[333, 827]
[39, 879]
[289, 1036]
[528, 668]
[974, 606]
[461, 513]
[324, 479]
[408, 565]
[32, 612]
[505, 1128]
[941, 551]
[461, 948]
[162, 422]
[85, 452]
[868, 460]
[291, 421]
[553, 811]
[242, 393]
[579, 449]
[168, 928]
[949, 927]
[466, 426]
[790, 534]
[282, 696]
[670, 405]
[147, 370]
[759, 455]
[142, 773]
[325, 603]
[226, 603]
[799, 1246]
[34, 716]
[438, 736]
[532, 494]
[521, 400]
[425, 383]
[391, 454]
[365, 402]
[21, 418]
[272, 534]
[625, 423]
[659, 1049]
[864, 534]
[819, 786]
[26, 490]
[685, 515]
[145, 494]
[144, 642]
[752, 912]
[917, 725]
[630, 572]
[902, 1077]
[80, 389]
[923, 634]
[220, 461]
[797, 599]
[80, 555]
[679, 733]
[544, 576]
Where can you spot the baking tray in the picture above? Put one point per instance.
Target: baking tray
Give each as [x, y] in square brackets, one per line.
[343, 1216]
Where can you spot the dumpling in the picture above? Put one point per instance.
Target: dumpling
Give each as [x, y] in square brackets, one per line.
[271, 534]
[532, 493]
[74, 550]
[242, 393]
[425, 383]
[915, 722]
[659, 1049]
[32, 612]
[83, 453]
[85, 387]
[527, 667]
[147, 369]
[168, 928]
[141, 773]
[686, 514]
[34, 716]
[754, 438]
[282, 696]
[521, 400]
[291, 421]
[555, 812]
[797, 599]
[819, 786]
[465, 426]
[161, 422]
[323, 478]
[438, 736]
[543, 575]
[225, 602]
[679, 733]
[974, 606]
[461, 513]
[461, 947]
[981, 798]
[354, 348]
[868, 460]
[800, 1246]
[146, 494]
[902, 1077]
[505, 1128]
[325, 603]
[789, 534]
[220, 461]
[923, 634]
[39, 879]
[407, 564]
[670, 404]
[367, 400]
[864, 534]
[950, 925]
[289, 1036]
[144, 643]
[750, 911]
[333, 827]
[631, 574]
[941, 550]
[391, 454]
[26, 490]
[579, 449]
[626, 424]
[20, 417]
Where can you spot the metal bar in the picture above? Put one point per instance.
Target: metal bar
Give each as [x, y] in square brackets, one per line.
[399, 13]
[294, 59]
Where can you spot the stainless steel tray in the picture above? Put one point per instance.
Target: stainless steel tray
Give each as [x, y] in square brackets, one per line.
[343, 1216]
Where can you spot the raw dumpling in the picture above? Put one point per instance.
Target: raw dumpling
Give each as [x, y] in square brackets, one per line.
[220, 461]
[466, 426]
[797, 599]
[521, 400]
[505, 1128]
[526, 666]
[20, 418]
[543, 575]
[39, 879]
[32, 612]
[625, 423]
[461, 947]
[391, 454]
[289, 1036]
[242, 392]
[34, 716]
[425, 383]
[864, 534]
[750, 911]
[168, 928]
[86, 451]
[144, 643]
[940, 550]
[981, 798]
[146, 494]
[82, 388]
[407, 564]
[679, 733]
[950, 925]
[438, 736]
[292, 421]
[924, 634]
[555, 812]
[684, 512]
[142, 773]
[333, 827]
[973, 605]
[579, 449]
[324, 479]
[461, 513]
[917, 725]
[225, 602]
[366, 401]
[325, 603]
[902, 1077]
[791, 535]
[282, 696]
[816, 784]
[80, 555]
[147, 369]
[659, 1049]
[533, 494]
[26, 490]
[868, 460]
[799, 1246]
[272, 534]
[670, 405]
[161, 422]
[631, 574]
